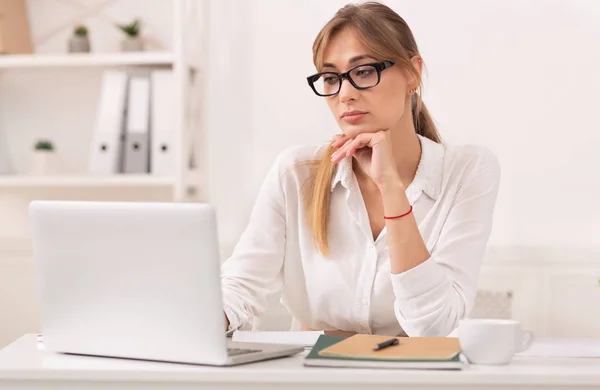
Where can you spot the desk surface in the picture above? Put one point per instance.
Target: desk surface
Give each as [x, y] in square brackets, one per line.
[24, 364]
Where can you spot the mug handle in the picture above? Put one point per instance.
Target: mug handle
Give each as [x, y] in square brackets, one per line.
[527, 340]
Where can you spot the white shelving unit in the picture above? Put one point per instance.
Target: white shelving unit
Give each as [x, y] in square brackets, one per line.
[15, 62]
[54, 95]
[116, 181]
[183, 60]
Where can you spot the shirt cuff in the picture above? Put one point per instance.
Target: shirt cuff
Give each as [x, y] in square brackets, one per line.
[418, 280]
[237, 321]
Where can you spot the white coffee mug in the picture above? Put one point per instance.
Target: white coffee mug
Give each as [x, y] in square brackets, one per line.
[489, 341]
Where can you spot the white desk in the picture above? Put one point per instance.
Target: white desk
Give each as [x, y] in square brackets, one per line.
[24, 365]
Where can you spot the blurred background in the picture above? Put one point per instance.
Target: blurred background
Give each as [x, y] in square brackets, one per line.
[220, 85]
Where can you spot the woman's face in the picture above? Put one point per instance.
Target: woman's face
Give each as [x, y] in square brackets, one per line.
[368, 110]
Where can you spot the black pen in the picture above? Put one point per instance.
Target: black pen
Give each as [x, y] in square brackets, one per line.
[385, 344]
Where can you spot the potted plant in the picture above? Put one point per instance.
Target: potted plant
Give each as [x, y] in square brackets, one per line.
[132, 40]
[42, 156]
[79, 42]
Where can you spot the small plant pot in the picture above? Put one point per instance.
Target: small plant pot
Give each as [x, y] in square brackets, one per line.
[79, 44]
[42, 162]
[132, 44]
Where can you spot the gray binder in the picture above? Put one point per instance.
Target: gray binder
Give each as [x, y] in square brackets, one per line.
[136, 155]
[137, 132]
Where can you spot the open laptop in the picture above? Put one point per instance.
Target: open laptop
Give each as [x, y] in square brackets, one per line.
[135, 280]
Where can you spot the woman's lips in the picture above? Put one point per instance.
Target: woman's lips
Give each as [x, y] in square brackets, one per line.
[352, 118]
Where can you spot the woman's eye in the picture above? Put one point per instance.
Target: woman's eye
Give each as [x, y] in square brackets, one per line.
[364, 72]
[330, 80]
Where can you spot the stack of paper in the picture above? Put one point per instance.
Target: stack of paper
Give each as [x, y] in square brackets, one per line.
[305, 339]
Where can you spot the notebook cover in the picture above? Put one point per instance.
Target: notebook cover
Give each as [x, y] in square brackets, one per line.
[324, 342]
[408, 348]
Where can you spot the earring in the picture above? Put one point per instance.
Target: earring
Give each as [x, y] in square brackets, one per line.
[412, 91]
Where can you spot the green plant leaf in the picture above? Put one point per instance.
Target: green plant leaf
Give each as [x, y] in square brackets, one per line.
[44, 145]
[132, 29]
[81, 31]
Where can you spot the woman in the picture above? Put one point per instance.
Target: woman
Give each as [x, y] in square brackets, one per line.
[382, 231]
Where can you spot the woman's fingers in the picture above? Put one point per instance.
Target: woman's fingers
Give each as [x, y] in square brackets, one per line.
[338, 155]
[347, 147]
[359, 142]
[350, 146]
[339, 140]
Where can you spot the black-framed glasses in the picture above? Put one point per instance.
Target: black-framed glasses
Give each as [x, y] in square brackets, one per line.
[363, 76]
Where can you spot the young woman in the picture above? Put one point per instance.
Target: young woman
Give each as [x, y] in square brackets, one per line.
[383, 230]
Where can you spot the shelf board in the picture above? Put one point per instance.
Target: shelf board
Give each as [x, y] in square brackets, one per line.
[86, 60]
[132, 181]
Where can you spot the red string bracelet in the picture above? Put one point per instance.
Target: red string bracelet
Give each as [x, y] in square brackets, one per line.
[401, 215]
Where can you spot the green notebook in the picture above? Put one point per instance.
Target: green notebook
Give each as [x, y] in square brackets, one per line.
[313, 359]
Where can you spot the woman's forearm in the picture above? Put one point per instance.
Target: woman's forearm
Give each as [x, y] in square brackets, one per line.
[406, 246]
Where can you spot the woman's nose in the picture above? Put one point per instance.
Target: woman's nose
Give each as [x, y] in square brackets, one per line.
[347, 91]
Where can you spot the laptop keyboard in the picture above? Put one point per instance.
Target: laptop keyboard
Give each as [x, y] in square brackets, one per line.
[240, 351]
[230, 351]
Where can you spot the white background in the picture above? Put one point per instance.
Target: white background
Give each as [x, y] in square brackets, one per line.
[519, 76]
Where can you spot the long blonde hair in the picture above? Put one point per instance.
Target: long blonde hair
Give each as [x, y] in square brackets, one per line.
[388, 37]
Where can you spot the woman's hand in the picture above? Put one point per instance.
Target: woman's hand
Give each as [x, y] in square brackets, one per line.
[341, 333]
[373, 151]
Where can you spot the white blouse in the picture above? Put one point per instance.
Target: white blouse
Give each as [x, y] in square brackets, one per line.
[453, 196]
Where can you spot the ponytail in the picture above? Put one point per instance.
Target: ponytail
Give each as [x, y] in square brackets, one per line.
[422, 120]
[317, 197]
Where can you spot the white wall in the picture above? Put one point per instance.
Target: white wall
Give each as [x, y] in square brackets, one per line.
[520, 76]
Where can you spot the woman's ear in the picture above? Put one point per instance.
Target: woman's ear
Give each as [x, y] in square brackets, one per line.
[417, 63]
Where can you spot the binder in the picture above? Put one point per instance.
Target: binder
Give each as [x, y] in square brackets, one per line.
[107, 142]
[162, 153]
[137, 133]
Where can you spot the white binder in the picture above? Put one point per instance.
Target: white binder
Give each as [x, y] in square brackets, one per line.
[162, 154]
[107, 143]
[137, 152]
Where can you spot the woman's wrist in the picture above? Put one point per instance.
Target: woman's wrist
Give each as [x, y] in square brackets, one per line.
[394, 198]
[391, 187]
